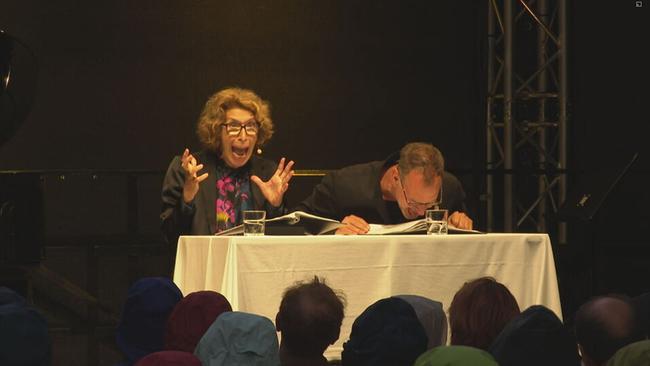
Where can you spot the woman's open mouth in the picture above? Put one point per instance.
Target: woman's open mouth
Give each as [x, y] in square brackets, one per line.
[240, 152]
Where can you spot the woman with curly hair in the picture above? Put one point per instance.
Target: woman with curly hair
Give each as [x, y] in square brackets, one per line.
[206, 192]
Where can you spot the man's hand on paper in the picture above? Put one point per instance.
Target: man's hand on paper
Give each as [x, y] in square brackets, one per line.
[354, 225]
[460, 220]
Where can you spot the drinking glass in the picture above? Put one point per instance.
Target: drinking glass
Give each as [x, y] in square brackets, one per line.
[254, 222]
[436, 222]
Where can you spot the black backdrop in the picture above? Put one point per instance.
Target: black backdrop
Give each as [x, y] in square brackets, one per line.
[122, 82]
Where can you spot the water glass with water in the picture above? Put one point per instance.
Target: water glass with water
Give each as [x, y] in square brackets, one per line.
[436, 222]
[254, 222]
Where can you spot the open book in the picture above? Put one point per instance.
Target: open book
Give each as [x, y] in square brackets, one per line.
[297, 222]
[413, 227]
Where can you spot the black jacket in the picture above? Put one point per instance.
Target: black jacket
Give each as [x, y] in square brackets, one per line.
[355, 190]
[200, 218]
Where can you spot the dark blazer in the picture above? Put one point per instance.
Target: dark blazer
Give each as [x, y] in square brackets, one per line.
[200, 217]
[355, 190]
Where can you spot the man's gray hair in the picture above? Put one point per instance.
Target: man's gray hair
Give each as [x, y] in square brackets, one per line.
[420, 155]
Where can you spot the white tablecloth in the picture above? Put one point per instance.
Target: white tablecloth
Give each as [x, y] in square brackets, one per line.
[252, 272]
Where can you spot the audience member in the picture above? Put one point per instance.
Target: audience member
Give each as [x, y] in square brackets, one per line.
[536, 337]
[169, 358]
[309, 320]
[431, 316]
[191, 317]
[456, 356]
[635, 354]
[24, 338]
[387, 333]
[479, 311]
[141, 329]
[604, 325]
[241, 339]
[9, 296]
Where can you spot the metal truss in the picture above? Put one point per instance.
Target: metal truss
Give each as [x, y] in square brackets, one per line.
[526, 114]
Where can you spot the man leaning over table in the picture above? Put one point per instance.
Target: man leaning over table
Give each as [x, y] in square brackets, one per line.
[398, 189]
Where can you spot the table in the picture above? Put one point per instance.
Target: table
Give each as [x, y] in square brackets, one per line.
[252, 272]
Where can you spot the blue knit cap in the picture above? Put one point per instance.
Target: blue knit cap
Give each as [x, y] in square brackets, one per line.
[23, 336]
[141, 330]
[387, 333]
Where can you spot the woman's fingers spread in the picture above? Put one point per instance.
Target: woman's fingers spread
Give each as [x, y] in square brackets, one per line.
[201, 177]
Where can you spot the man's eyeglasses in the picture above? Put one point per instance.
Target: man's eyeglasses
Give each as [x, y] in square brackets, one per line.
[233, 128]
[415, 204]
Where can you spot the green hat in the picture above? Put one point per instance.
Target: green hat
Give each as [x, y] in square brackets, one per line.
[637, 353]
[455, 356]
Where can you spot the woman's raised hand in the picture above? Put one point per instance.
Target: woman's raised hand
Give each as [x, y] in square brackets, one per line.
[274, 188]
[191, 168]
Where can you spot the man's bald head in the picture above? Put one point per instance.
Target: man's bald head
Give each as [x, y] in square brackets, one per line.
[604, 325]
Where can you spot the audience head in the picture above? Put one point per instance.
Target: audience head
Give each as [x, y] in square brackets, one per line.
[24, 339]
[169, 358]
[455, 356]
[479, 311]
[9, 296]
[605, 324]
[432, 318]
[239, 107]
[191, 317]
[535, 337]
[309, 318]
[148, 304]
[241, 339]
[387, 333]
[634, 354]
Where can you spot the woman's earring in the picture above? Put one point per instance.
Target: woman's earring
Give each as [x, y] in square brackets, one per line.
[259, 151]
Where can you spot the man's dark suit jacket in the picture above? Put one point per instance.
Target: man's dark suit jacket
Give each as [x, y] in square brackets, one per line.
[199, 218]
[355, 190]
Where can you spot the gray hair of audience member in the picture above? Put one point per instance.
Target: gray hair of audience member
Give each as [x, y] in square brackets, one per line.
[605, 324]
[310, 317]
[637, 353]
[420, 155]
[241, 339]
[536, 337]
[432, 316]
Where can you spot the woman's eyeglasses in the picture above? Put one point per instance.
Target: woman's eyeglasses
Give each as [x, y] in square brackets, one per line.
[233, 128]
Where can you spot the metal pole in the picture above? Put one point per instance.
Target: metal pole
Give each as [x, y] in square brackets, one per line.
[489, 195]
[508, 119]
[542, 9]
[563, 118]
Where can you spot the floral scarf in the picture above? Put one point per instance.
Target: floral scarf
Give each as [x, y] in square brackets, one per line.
[233, 196]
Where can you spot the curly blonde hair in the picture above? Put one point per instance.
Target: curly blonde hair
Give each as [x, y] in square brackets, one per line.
[214, 115]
